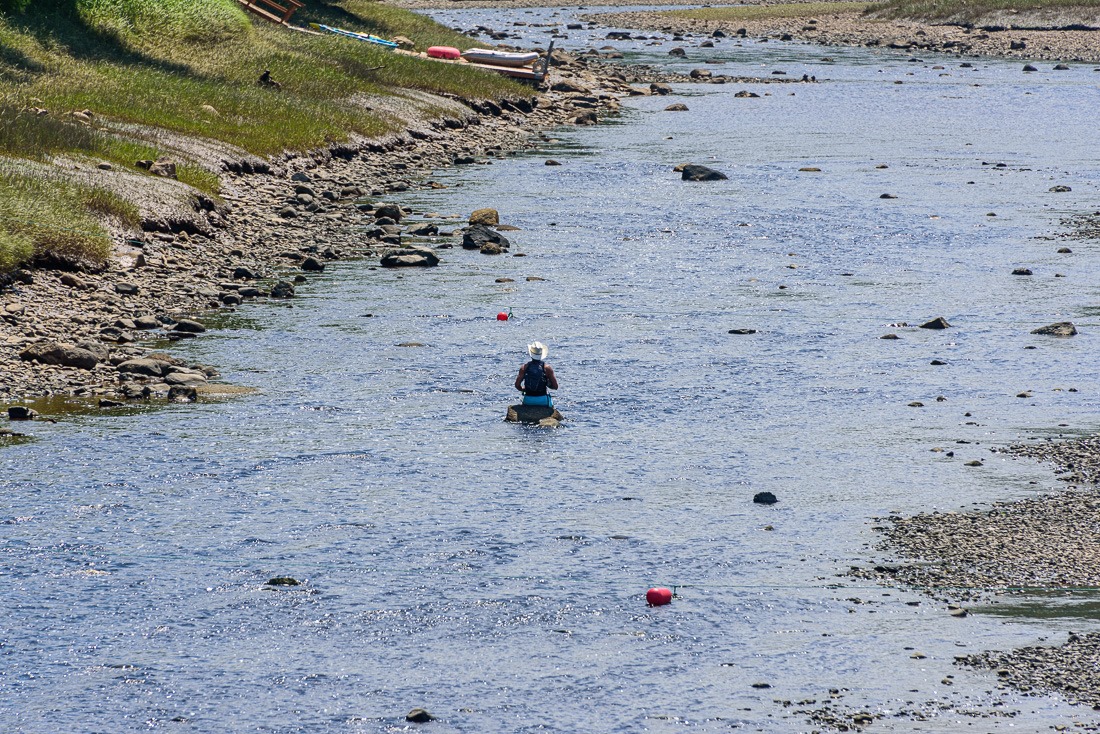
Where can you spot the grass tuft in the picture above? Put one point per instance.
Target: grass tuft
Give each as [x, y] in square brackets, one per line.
[51, 216]
[16, 248]
[109, 204]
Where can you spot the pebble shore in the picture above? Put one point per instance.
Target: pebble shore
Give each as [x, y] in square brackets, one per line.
[1041, 545]
[1007, 39]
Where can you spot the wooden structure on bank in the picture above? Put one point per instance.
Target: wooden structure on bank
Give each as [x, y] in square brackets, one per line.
[277, 11]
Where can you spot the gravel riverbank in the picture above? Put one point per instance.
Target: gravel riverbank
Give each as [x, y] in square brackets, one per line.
[1050, 35]
[1047, 42]
[1038, 546]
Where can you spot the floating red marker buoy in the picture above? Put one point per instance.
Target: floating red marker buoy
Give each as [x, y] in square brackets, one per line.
[658, 597]
[502, 316]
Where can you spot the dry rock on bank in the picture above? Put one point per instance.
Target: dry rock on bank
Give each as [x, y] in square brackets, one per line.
[55, 353]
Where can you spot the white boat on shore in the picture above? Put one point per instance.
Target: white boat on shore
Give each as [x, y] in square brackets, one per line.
[492, 57]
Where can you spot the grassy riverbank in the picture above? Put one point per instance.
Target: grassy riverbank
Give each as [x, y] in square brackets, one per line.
[975, 10]
[157, 76]
[929, 11]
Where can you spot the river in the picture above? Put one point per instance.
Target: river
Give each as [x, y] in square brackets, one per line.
[495, 575]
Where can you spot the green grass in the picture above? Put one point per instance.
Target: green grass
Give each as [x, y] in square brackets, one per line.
[166, 20]
[47, 214]
[970, 10]
[109, 204]
[164, 63]
[768, 12]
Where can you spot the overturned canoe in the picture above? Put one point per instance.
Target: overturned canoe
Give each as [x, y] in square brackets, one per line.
[492, 57]
[537, 415]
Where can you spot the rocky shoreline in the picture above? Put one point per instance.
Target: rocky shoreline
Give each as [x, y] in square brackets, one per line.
[1043, 40]
[1042, 545]
[68, 328]
[974, 555]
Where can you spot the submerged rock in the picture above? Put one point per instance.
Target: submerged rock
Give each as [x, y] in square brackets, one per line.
[312, 265]
[937, 323]
[765, 498]
[182, 394]
[419, 716]
[190, 326]
[283, 581]
[389, 211]
[539, 415]
[477, 236]
[282, 289]
[1062, 328]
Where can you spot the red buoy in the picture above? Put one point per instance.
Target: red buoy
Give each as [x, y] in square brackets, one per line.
[502, 316]
[659, 596]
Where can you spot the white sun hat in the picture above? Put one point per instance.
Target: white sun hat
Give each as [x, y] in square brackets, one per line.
[537, 351]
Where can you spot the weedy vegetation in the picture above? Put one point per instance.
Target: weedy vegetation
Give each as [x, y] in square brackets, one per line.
[974, 10]
[189, 68]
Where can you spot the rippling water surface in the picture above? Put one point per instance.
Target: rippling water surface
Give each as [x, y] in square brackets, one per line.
[495, 574]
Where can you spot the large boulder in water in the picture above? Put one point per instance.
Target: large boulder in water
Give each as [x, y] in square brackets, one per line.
[410, 257]
[477, 236]
[695, 172]
[539, 415]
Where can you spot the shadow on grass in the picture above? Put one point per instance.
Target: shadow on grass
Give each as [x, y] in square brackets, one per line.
[330, 14]
[58, 22]
[16, 67]
[327, 13]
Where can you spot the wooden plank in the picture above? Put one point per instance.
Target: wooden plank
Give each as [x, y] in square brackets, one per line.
[284, 11]
[516, 72]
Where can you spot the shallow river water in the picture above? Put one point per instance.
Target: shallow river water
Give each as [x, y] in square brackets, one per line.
[495, 575]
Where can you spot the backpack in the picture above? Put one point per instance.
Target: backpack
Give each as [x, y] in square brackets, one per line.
[534, 379]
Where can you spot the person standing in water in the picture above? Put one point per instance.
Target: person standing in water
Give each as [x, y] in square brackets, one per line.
[536, 376]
